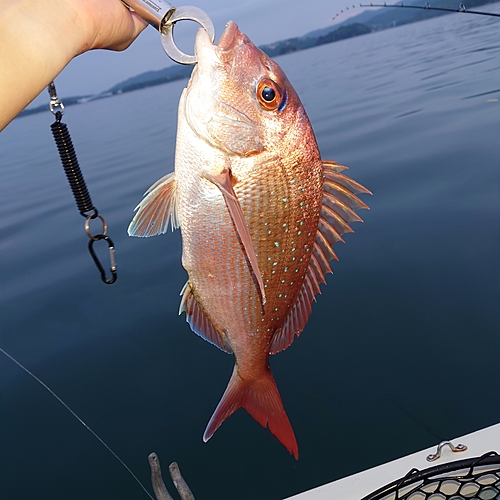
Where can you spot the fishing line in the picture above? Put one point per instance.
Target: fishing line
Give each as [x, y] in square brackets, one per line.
[46, 387]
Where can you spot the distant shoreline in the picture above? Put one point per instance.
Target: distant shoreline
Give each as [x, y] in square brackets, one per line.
[174, 73]
[370, 21]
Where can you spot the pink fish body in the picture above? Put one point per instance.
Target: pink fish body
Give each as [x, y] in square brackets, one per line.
[259, 213]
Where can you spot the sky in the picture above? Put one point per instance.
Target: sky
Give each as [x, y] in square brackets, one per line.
[264, 21]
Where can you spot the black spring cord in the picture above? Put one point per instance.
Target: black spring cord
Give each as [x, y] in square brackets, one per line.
[77, 183]
[71, 167]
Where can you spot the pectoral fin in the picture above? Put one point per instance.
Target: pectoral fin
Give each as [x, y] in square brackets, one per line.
[157, 209]
[223, 182]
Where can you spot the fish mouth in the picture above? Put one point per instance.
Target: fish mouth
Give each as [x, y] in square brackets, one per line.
[228, 38]
[209, 55]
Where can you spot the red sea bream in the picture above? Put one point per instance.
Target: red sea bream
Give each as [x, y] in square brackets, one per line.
[259, 213]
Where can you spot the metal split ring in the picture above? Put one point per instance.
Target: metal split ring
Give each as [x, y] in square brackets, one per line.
[87, 227]
[186, 13]
[163, 15]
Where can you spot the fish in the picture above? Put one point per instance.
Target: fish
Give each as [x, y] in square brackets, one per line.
[259, 213]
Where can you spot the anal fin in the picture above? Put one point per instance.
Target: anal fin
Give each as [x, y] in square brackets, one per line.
[198, 321]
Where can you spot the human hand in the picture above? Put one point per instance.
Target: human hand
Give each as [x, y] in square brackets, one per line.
[106, 24]
[40, 37]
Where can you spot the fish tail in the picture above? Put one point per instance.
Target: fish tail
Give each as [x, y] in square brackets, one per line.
[261, 399]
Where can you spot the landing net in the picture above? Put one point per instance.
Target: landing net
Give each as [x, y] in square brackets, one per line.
[472, 479]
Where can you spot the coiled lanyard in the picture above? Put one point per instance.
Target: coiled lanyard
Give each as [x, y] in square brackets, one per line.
[163, 16]
[77, 183]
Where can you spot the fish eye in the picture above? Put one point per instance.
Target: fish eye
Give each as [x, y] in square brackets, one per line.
[269, 94]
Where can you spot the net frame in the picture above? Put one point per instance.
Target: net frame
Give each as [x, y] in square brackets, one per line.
[475, 478]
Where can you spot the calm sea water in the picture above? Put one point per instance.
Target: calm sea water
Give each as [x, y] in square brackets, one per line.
[402, 349]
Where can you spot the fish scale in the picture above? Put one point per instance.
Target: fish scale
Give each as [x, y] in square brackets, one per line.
[259, 213]
[280, 247]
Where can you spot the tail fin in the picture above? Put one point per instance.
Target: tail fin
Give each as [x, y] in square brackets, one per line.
[262, 400]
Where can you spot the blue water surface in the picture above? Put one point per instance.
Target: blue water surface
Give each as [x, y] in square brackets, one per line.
[402, 349]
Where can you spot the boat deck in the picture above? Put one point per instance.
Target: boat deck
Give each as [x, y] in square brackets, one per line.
[363, 483]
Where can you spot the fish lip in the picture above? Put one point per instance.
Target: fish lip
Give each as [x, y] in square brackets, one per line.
[228, 38]
[207, 53]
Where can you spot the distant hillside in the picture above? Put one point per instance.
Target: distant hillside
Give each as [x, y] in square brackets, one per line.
[383, 18]
[172, 73]
[306, 42]
[363, 18]
[363, 23]
[151, 78]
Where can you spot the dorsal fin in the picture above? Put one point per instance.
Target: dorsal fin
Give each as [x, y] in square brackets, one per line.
[198, 322]
[157, 209]
[339, 203]
[223, 182]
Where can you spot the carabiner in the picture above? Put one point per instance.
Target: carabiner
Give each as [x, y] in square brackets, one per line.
[107, 239]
